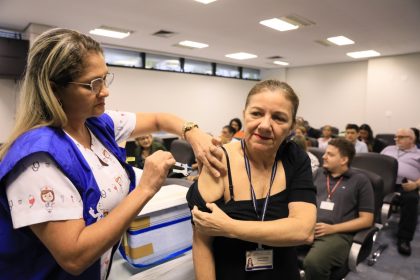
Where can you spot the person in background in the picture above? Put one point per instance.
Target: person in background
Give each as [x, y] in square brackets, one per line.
[345, 204]
[227, 134]
[417, 134]
[301, 142]
[237, 125]
[146, 146]
[260, 209]
[67, 194]
[300, 131]
[408, 183]
[326, 137]
[366, 135]
[352, 135]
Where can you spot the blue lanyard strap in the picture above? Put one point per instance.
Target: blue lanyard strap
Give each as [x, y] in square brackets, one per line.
[253, 196]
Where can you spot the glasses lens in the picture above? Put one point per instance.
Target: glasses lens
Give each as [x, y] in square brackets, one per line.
[109, 78]
[97, 85]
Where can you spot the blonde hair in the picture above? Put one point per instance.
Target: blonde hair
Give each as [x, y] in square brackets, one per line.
[55, 58]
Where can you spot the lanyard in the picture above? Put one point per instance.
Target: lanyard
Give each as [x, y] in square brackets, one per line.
[253, 196]
[331, 192]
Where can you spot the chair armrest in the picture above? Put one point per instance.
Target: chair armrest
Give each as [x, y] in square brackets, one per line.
[389, 199]
[361, 247]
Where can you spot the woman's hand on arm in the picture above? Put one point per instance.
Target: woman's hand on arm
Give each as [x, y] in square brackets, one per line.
[76, 246]
[216, 223]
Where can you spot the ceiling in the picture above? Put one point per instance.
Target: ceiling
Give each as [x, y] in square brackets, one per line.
[391, 27]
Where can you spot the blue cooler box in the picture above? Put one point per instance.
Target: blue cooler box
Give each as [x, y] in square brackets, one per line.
[161, 231]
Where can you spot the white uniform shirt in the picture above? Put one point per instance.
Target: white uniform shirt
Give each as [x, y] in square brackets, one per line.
[38, 191]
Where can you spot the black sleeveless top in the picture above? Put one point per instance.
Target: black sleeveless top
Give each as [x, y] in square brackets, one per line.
[229, 254]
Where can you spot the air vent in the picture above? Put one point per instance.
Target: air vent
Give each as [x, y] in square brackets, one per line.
[298, 20]
[324, 43]
[275, 57]
[164, 33]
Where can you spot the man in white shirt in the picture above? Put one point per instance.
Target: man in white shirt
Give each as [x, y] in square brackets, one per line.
[352, 135]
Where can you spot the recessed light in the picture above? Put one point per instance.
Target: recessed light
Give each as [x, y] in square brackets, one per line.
[340, 40]
[205, 1]
[278, 24]
[241, 55]
[279, 62]
[110, 32]
[363, 54]
[192, 44]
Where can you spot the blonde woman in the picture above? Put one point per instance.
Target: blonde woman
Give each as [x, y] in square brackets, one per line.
[66, 141]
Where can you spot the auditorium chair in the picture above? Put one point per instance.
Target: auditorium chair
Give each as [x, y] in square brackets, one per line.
[386, 167]
[318, 153]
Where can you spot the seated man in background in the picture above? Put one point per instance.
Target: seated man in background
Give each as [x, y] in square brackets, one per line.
[352, 134]
[227, 133]
[146, 146]
[345, 204]
[408, 182]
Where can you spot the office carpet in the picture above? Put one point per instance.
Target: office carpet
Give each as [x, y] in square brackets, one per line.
[391, 265]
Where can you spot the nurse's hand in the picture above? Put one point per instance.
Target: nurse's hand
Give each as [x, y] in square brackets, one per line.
[207, 151]
[155, 171]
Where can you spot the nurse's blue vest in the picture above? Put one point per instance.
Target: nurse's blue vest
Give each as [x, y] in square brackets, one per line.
[22, 255]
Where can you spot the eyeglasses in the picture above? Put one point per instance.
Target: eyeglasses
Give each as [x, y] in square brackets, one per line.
[96, 85]
[401, 137]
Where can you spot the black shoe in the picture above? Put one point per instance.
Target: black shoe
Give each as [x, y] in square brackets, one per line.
[404, 247]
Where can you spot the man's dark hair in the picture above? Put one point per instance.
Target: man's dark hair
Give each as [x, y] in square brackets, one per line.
[352, 126]
[238, 121]
[345, 148]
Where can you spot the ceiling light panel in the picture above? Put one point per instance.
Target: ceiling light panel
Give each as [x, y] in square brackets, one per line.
[340, 40]
[278, 24]
[192, 44]
[110, 32]
[205, 2]
[364, 54]
[279, 62]
[241, 55]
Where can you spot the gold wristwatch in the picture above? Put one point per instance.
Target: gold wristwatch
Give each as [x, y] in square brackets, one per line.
[187, 127]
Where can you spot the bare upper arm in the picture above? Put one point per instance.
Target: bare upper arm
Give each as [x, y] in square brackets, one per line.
[303, 211]
[60, 237]
[145, 123]
[210, 187]
[367, 216]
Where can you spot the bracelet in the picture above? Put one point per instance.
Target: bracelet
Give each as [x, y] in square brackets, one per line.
[187, 126]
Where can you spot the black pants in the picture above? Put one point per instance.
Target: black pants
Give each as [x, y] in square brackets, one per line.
[409, 213]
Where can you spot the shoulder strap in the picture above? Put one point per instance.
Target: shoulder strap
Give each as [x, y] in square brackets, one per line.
[229, 173]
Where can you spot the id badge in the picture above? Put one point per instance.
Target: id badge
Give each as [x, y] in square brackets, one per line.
[327, 205]
[259, 260]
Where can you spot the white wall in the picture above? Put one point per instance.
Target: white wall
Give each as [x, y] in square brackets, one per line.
[210, 101]
[8, 93]
[383, 92]
[393, 92]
